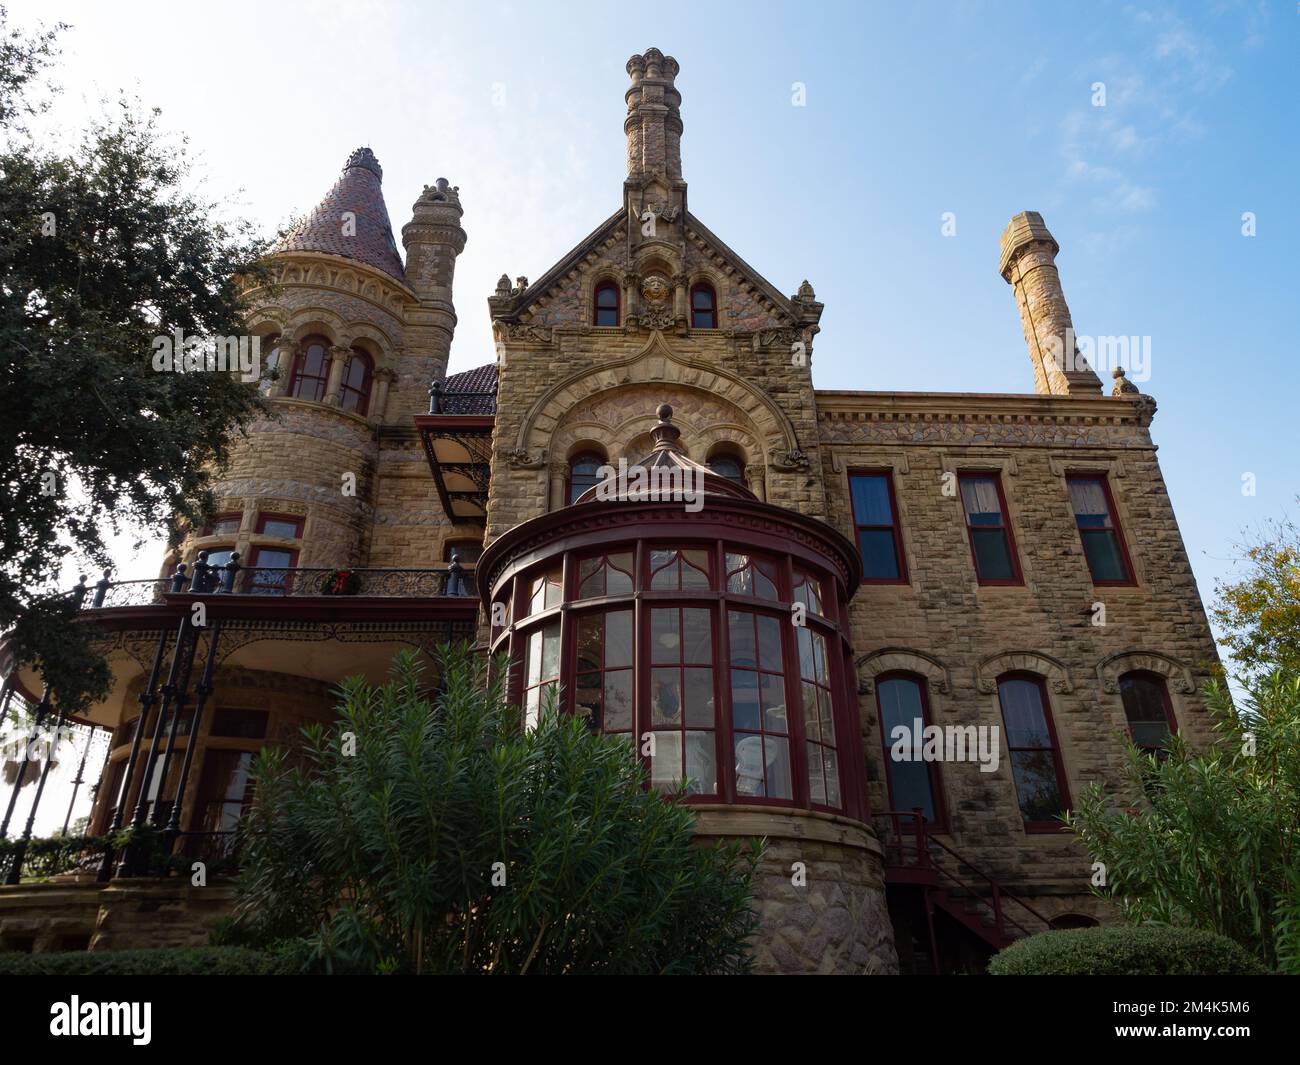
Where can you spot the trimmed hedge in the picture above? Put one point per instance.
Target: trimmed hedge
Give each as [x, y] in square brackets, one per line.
[1136, 950]
[172, 961]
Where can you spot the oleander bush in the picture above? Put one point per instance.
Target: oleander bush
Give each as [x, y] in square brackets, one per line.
[1136, 950]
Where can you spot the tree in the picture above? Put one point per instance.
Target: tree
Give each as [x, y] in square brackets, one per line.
[438, 837]
[1211, 840]
[103, 251]
[1259, 614]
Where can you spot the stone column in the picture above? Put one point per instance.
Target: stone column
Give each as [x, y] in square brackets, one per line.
[631, 297]
[384, 377]
[1028, 264]
[754, 480]
[559, 475]
[681, 300]
[288, 350]
[338, 359]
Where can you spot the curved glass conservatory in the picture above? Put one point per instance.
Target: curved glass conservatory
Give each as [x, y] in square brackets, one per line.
[710, 632]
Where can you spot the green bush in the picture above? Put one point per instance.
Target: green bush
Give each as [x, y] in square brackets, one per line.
[440, 836]
[174, 961]
[1138, 950]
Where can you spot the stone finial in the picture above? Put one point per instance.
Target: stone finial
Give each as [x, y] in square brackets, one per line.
[806, 292]
[653, 124]
[1123, 386]
[665, 434]
[365, 158]
[1028, 264]
[503, 285]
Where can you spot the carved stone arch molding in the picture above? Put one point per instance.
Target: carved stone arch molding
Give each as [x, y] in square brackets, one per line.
[308, 321]
[988, 671]
[656, 364]
[902, 660]
[1177, 674]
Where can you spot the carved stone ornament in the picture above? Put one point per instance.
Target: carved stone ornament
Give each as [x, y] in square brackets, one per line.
[522, 458]
[522, 331]
[657, 292]
[665, 211]
[792, 459]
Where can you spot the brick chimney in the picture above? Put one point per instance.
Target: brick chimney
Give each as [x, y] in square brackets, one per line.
[1028, 264]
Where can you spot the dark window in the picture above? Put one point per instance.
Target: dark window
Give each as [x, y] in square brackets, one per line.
[279, 525]
[672, 570]
[991, 542]
[239, 724]
[270, 567]
[912, 781]
[751, 575]
[728, 467]
[311, 372]
[760, 725]
[1146, 705]
[875, 523]
[583, 474]
[682, 700]
[818, 719]
[225, 790]
[467, 551]
[355, 392]
[1102, 543]
[541, 670]
[605, 575]
[606, 308]
[704, 307]
[224, 525]
[1035, 758]
[603, 672]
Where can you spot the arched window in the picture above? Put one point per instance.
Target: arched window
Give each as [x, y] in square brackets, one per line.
[1036, 763]
[272, 362]
[704, 307]
[912, 781]
[1146, 705]
[605, 311]
[355, 393]
[728, 466]
[311, 371]
[582, 474]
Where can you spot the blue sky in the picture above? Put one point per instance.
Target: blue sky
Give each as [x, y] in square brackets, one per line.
[912, 110]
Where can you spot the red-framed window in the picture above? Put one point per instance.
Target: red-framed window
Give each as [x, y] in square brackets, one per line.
[818, 719]
[903, 704]
[807, 589]
[311, 371]
[271, 566]
[680, 569]
[605, 304]
[583, 474]
[1036, 765]
[681, 699]
[704, 306]
[1094, 516]
[760, 725]
[992, 543]
[603, 672]
[354, 394]
[606, 574]
[1148, 709]
[225, 790]
[545, 590]
[876, 527]
[541, 670]
[752, 575]
[284, 526]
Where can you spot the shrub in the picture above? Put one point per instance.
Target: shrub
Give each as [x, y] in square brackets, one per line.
[173, 961]
[429, 837]
[1137, 950]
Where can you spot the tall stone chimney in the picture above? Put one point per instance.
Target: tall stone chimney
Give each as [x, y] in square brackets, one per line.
[433, 238]
[1028, 264]
[654, 121]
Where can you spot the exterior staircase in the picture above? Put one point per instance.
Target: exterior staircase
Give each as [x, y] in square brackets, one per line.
[949, 883]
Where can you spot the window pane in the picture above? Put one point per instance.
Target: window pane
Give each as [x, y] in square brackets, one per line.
[1143, 698]
[664, 638]
[697, 630]
[740, 628]
[1105, 562]
[618, 574]
[1088, 498]
[831, 767]
[910, 785]
[665, 697]
[618, 700]
[879, 557]
[699, 697]
[695, 569]
[769, 642]
[816, 781]
[590, 637]
[980, 496]
[749, 765]
[701, 763]
[771, 690]
[992, 555]
[778, 767]
[871, 500]
[666, 765]
[900, 704]
[811, 716]
[276, 527]
[618, 639]
[1035, 775]
[268, 559]
[1022, 711]
[744, 699]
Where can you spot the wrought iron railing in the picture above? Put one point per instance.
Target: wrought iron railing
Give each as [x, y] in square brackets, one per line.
[451, 580]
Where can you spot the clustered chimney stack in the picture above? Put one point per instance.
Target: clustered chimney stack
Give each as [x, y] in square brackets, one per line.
[1029, 265]
[654, 121]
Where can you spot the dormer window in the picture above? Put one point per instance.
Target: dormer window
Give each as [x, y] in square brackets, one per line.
[704, 307]
[606, 304]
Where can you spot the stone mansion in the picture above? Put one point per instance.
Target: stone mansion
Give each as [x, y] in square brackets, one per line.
[945, 555]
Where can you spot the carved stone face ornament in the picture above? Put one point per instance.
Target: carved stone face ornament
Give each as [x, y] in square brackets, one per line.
[656, 290]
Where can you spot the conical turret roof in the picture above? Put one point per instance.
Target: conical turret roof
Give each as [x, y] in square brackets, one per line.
[367, 237]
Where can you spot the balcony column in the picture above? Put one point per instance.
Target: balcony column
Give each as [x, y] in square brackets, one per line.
[384, 377]
[338, 359]
[288, 350]
[559, 474]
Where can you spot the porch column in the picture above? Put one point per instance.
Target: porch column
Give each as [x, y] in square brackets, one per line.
[338, 359]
